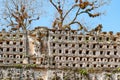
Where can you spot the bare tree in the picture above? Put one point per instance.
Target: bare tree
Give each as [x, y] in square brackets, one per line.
[74, 9]
[19, 15]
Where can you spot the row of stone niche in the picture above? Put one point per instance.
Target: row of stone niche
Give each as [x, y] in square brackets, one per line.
[84, 38]
[11, 43]
[20, 50]
[85, 52]
[11, 56]
[78, 32]
[85, 59]
[11, 35]
[88, 65]
[83, 45]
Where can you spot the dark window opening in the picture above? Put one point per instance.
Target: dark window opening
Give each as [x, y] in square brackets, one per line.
[1, 42]
[94, 65]
[73, 65]
[87, 46]
[72, 37]
[1, 61]
[60, 51]
[53, 37]
[60, 64]
[66, 45]
[94, 45]
[94, 59]
[14, 61]
[115, 59]
[108, 65]
[53, 64]
[108, 59]
[8, 49]
[116, 65]
[53, 50]
[14, 56]
[100, 38]
[93, 38]
[107, 46]
[80, 58]
[21, 62]
[115, 52]
[73, 45]
[114, 39]
[102, 65]
[101, 52]
[108, 52]
[101, 59]
[21, 43]
[21, 36]
[80, 38]
[101, 46]
[20, 56]
[34, 63]
[73, 51]
[59, 45]
[66, 51]
[59, 37]
[1, 49]
[94, 52]
[80, 65]
[7, 61]
[7, 56]
[66, 37]
[53, 44]
[87, 52]
[14, 43]
[107, 39]
[115, 47]
[87, 65]
[8, 35]
[80, 45]
[80, 52]
[66, 64]
[7, 42]
[0, 35]
[14, 35]
[14, 49]
[21, 50]
[87, 38]
[4, 55]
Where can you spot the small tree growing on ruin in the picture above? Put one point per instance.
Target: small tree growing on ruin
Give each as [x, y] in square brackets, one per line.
[75, 9]
[19, 15]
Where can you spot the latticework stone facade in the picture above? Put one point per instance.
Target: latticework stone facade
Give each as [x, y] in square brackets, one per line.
[59, 55]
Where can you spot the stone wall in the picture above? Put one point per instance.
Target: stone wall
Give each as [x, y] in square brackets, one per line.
[60, 55]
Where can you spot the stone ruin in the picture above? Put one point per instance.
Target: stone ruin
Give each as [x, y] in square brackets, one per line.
[59, 55]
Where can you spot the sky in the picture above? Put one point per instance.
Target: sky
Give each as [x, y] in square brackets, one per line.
[110, 20]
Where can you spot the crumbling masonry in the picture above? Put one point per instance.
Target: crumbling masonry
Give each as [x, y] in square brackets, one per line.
[59, 55]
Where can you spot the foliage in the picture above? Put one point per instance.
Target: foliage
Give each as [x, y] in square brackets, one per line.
[20, 13]
[83, 71]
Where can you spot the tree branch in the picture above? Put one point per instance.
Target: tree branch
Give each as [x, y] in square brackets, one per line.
[75, 16]
[53, 4]
[80, 25]
[69, 11]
